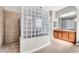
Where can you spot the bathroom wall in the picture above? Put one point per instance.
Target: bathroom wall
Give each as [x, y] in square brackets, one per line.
[1, 27]
[16, 9]
[77, 34]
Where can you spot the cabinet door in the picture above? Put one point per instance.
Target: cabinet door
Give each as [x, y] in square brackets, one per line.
[72, 37]
[55, 34]
[65, 36]
[59, 34]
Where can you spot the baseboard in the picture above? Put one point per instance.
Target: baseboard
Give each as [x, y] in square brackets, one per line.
[31, 51]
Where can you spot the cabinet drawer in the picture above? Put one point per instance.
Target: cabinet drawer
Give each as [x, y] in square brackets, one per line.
[72, 36]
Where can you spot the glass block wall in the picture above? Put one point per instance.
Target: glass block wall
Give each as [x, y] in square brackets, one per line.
[35, 22]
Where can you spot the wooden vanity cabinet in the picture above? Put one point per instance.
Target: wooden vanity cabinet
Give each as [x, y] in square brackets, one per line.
[69, 36]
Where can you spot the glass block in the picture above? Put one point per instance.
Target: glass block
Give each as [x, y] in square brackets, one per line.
[24, 37]
[33, 36]
[33, 32]
[29, 32]
[24, 32]
[29, 36]
[36, 31]
[37, 35]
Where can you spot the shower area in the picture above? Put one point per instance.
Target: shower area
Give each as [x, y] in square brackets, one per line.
[34, 28]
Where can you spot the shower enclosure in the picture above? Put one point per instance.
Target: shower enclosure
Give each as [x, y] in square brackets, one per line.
[34, 28]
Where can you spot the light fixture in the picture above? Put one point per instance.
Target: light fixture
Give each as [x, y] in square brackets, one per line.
[68, 14]
[71, 13]
[64, 15]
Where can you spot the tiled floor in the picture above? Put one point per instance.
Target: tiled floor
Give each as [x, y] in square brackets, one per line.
[12, 48]
[59, 46]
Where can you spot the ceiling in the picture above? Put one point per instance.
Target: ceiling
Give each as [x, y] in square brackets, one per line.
[54, 8]
[18, 8]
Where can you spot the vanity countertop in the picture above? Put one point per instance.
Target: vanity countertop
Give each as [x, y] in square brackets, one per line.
[69, 30]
